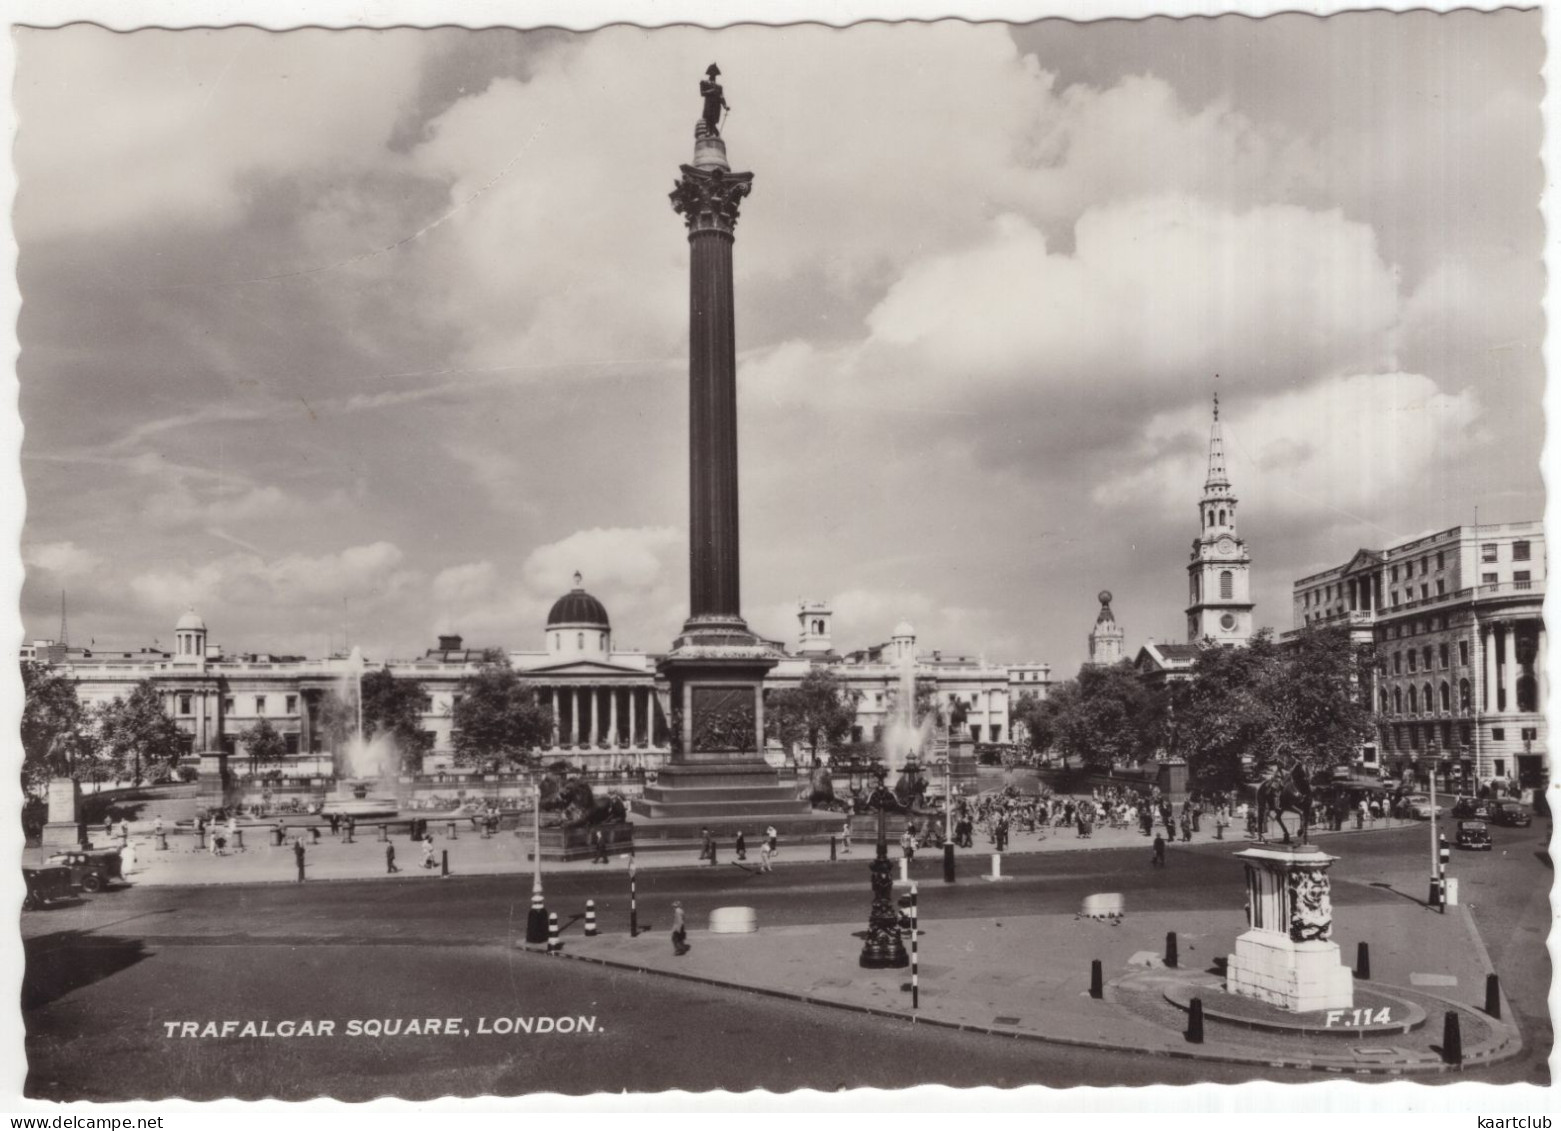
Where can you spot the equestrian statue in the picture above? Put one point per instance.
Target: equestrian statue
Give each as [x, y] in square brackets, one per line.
[1279, 793]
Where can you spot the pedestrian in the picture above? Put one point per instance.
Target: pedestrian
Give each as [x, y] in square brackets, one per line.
[1158, 860]
[679, 930]
[773, 839]
[390, 859]
[706, 846]
[740, 846]
[335, 819]
[908, 845]
[601, 848]
[298, 857]
[1220, 822]
[428, 851]
[764, 857]
[127, 859]
[845, 836]
[1186, 827]
[1197, 814]
[314, 834]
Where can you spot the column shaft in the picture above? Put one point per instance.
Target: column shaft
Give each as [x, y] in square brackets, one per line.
[1488, 661]
[712, 364]
[612, 718]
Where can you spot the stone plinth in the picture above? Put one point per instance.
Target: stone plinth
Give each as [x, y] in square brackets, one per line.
[1171, 777]
[1288, 957]
[213, 783]
[64, 829]
[573, 842]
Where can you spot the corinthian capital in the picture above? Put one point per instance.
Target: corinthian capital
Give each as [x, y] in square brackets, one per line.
[708, 199]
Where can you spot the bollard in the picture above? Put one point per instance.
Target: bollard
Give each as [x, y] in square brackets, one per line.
[536, 920]
[1170, 948]
[162, 842]
[384, 834]
[444, 863]
[1493, 996]
[553, 945]
[634, 907]
[590, 918]
[831, 850]
[1363, 962]
[915, 965]
[905, 870]
[997, 865]
[449, 831]
[1097, 980]
[1195, 1022]
[948, 862]
[1452, 1038]
[238, 840]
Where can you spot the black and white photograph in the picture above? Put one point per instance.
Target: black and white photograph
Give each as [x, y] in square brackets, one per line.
[659, 558]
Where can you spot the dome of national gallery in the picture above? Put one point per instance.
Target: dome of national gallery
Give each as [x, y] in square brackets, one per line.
[190, 622]
[578, 608]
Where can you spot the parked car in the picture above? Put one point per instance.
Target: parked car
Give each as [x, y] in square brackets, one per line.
[1472, 807]
[1418, 806]
[44, 886]
[1511, 814]
[90, 871]
[1473, 834]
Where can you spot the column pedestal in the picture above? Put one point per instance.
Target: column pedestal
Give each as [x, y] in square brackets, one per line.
[1288, 957]
[63, 829]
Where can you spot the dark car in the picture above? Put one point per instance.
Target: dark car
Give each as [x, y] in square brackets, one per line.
[1511, 814]
[1473, 834]
[44, 886]
[1472, 807]
[90, 871]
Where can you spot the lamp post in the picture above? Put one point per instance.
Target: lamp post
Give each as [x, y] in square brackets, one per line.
[536, 918]
[884, 948]
[948, 820]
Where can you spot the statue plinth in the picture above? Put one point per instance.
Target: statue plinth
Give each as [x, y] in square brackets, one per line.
[64, 828]
[1288, 957]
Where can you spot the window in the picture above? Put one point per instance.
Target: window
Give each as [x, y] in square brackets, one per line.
[1413, 708]
[1426, 653]
[1530, 734]
[1488, 552]
[1398, 701]
[1520, 551]
[1426, 699]
[1447, 696]
[1425, 591]
[1393, 596]
[997, 733]
[425, 703]
[1393, 574]
[1441, 560]
[1441, 587]
[1398, 662]
[1412, 655]
[1520, 578]
[290, 742]
[260, 704]
[292, 705]
[227, 705]
[1425, 566]
[1487, 579]
[1501, 768]
[1441, 654]
[1528, 698]
[1498, 734]
[185, 705]
[1463, 653]
[1227, 585]
[1463, 696]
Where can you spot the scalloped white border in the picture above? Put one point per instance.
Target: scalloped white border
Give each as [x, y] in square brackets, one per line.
[1171, 1108]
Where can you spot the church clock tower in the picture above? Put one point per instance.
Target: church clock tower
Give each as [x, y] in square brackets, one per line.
[1219, 575]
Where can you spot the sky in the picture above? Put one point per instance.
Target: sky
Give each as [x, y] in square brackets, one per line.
[358, 336]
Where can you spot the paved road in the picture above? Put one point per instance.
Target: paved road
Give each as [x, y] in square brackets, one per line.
[105, 975]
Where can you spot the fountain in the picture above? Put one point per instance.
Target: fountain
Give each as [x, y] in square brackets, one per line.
[904, 738]
[366, 763]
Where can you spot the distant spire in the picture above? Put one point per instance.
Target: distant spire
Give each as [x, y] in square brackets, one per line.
[64, 635]
[1217, 476]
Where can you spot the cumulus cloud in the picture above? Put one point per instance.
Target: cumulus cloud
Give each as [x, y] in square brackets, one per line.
[1369, 441]
[63, 559]
[246, 582]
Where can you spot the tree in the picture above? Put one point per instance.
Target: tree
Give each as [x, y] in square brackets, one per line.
[1321, 716]
[818, 712]
[136, 733]
[264, 745]
[395, 706]
[58, 740]
[1108, 715]
[1038, 717]
[498, 719]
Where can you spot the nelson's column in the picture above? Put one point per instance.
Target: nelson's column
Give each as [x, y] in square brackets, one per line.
[715, 670]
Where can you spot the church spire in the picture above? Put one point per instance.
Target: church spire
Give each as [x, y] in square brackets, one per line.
[1218, 482]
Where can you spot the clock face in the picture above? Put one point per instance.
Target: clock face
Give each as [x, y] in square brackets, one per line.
[1227, 622]
[1226, 545]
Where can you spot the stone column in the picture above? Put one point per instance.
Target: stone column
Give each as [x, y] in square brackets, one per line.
[1541, 673]
[634, 696]
[1488, 659]
[612, 719]
[554, 701]
[707, 195]
[1507, 691]
[574, 734]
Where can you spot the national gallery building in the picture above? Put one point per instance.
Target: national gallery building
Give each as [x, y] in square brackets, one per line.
[609, 706]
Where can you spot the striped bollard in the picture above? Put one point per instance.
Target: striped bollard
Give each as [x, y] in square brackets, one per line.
[905, 870]
[634, 906]
[590, 918]
[536, 921]
[553, 945]
[915, 964]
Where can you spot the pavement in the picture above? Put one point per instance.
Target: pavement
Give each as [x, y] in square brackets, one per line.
[508, 852]
[1027, 976]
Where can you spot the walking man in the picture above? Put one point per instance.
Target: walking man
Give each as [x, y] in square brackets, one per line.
[1158, 859]
[845, 837]
[740, 846]
[428, 851]
[600, 839]
[298, 857]
[764, 857]
[390, 859]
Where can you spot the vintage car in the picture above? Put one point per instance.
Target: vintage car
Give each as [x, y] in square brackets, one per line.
[1418, 806]
[1511, 814]
[1473, 834]
[44, 886]
[90, 871]
[1472, 807]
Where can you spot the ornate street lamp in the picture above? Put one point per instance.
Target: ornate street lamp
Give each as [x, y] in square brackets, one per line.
[884, 948]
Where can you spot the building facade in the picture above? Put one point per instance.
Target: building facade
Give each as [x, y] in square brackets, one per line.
[609, 707]
[1456, 622]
